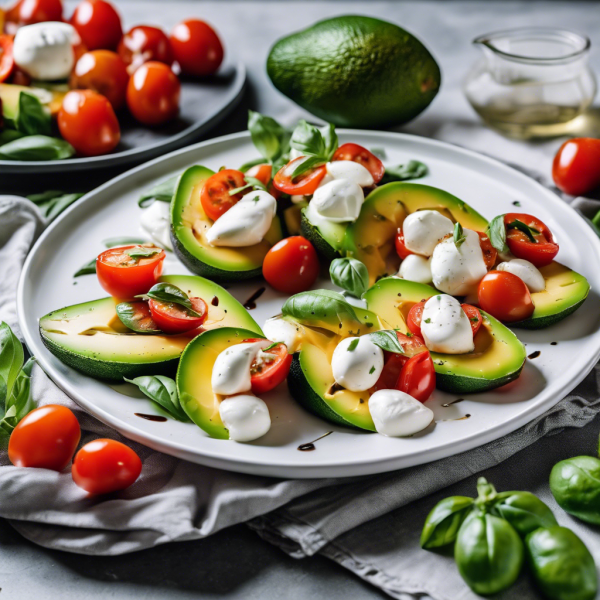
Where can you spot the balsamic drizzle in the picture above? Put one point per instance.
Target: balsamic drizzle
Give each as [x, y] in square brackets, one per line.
[310, 446]
[251, 302]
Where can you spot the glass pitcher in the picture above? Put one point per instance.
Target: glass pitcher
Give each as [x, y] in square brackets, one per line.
[531, 82]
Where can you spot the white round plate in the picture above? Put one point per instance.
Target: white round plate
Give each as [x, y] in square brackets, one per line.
[47, 284]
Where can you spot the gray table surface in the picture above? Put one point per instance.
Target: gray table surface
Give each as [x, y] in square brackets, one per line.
[235, 563]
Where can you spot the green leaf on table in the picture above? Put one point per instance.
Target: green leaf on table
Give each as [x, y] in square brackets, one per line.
[36, 147]
[165, 292]
[271, 139]
[11, 361]
[163, 192]
[387, 340]
[20, 401]
[88, 269]
[496, 231]
[350, 274]
[34, 118]
[413, 169]
[163, 391]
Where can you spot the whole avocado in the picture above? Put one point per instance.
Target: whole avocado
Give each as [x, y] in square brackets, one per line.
[355, 71]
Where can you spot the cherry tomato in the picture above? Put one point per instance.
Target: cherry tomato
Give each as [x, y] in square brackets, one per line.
[7, 62]
[401, 249]
[417, 377]
[291, 265]
[153, 93]
[415, 316]
[125, 277]
[265, 376]
[261, 172]
[303, 185]
[576, 166]
[144, 43]
[27, 12]
[474, 316]
[172, 318]
[215, 196]
[88, 122]
[412, 345]
[197, 48]
[104, 72]
[98, 24]
[541, 251]
[505, 296]
[362, 156]
[46, 438]
[490, 254]
[105, 466]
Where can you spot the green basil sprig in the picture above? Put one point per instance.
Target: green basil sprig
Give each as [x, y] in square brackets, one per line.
[136, 316]
[33, 118]
[11, 361]
[413, 169]
[163, 192]
[163, 391]
[89, 268]
[350, 274]
[165, 292]
[459, 235]
[36, 147]
[496, 231]
[53, 202]
[138, 252]
[316, 145]
[387, 340]
[271, 139]
[251, 184]
[526, 229]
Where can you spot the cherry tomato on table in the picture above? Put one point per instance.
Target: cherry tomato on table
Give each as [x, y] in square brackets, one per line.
[46, 438]
[7, 62]
[98, 24]
[196, 47]
[417, 378]
[102, 71]
[291, 265]
[305, 184]
[123, 276]
[267, 375]
[537, 245]
[153, 93]
[172, 318]
[415, 316]
[88, 122]
[105, 466]
[144, 43]
[363, 157]
[215, 197]
[576, 166]
[505, 296]
[27, 12]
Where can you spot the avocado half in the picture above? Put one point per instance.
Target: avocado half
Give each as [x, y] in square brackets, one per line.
[189, 224]
[90, 338]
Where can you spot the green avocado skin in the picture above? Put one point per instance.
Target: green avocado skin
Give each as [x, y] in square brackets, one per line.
[355, 71]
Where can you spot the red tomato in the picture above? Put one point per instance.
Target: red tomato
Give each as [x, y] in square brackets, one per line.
[197, 48]
[415, 316]
[104, 72]
[490, 254]
[362, 156]
[105, 466]
[27, 12]
[172, 318]
[305, 184]
[474, 316]
[540, 252]
[268, 375]
[261, 172]
[215, 196]
[576, 166]
[46, 438]
[153, 93]
[98, 24]
[125, 277]
[291, 265]
[505, 296]
[392, 368]
[88, 122]
[401, 249]
[144, 43]
[7, 62]
[417, 377]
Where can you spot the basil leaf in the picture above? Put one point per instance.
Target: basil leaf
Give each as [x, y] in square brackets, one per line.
[352, 345]
[330, 139]
[309, 140]
[165, 292]
[52, 203]
[496, 231]
[20, 403]
[251, 163]
[380, 153]
[526, 229]
[163, 192]
[88, 269]
[11, 361]
[252, 183]
[33, 118]
[413, 169]
[350, 274]
[305, 165]
[163, 391]
[36, 147]
[141, 252]
[387, 340]
[8, 135]
[443, 522]
[459, 235]
[115, 242]
[270, 138]
[137, 316]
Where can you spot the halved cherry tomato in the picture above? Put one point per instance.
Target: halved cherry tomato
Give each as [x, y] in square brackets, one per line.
[7, 62]
[267, 375]
[261, 172]
[490, 254]
[27, 12]
[362, 156]
[412, 345]
[215, 197]
[105, 466]
[291, 265]
[401, 249]
[304, 185]
[125, 277]
[417, 377]
[197, 48]
[540, 252]
[46, 438]
[505, 296]
[474, 316]
[98, 24]
[576, 166]
[143, 43]
[172, 318]
[415, 316]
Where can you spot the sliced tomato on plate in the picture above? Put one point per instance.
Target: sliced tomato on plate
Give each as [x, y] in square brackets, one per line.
[7, 62]
[490, 254]
[530, 239]
[303, 185]
[394, 362]
[362, 156]
[174, 318]
[216, 198]
[266, 374]
[401, 248]
[417, 377]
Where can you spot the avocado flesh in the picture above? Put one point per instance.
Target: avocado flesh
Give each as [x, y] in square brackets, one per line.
[90, 338]
[189, 225]
[355, 71]
[9, 99]
[194, 377]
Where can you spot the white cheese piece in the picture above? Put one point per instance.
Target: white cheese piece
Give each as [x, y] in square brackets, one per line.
[353, 171]
[424, 229]
[231, 371]
[245, 416]
[526, 271]
[357, 363]
[397, 414]
[156, 220]
[445, 326]
[338, 201]
[277, 329]
[415, 268]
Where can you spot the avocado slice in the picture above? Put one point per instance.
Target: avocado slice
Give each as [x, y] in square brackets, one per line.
[9, 99]
[327, 237]
[189, 224]
[194, 377]
[498, 357]
[90, 338]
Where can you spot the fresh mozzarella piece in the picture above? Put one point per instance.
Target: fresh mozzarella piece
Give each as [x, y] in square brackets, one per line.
[246, 417]
[458, 270]
[415, 268]
[156, 220]
[231, 371]
[526, 271]
[44, 50]
[424, 229]
[353, 171]
[280, 330]
[396, 413]
[445, 326]
[338, 201]
[357, 363]
[245, 223]
[354, 301]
